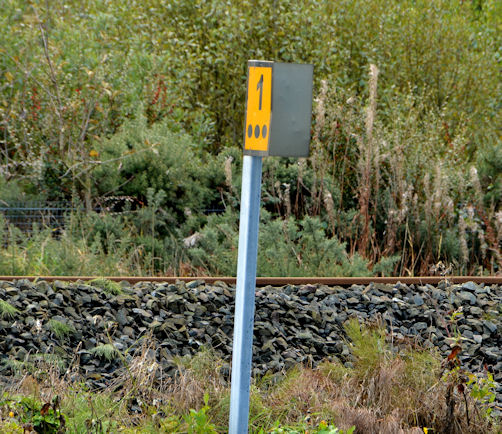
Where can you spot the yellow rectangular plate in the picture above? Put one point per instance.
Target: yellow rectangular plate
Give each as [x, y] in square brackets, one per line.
[259, 108]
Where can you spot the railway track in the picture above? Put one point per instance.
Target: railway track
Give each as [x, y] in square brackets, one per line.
[280, 281]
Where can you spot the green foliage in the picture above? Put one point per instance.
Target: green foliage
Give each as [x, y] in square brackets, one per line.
[367, 346]
[379, 380]
[43, 419]
[490, 173]
[286, 248]
[334, 370]
[44, 254]
[176, 61]
[200, 364]
[198, 421]
[108, 286]
[483, 390]
[386, 265]
[305, 250]
[159, 167]
[91, 412]
[322, 428]
[7, 310]
[60, 329]
[105, 351]
[146, 101]
[17, 367]
[32, 363]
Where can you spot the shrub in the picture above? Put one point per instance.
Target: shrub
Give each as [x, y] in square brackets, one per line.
[286, 248]
[153, 100]
[160, 168]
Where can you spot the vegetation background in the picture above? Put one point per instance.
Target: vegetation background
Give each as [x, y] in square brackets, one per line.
[135, 109]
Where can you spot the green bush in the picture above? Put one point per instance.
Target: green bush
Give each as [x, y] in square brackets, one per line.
[285, 248]
[161, 169]
[490, 174]
[175, 61]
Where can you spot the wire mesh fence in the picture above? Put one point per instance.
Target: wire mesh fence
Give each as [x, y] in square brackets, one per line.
[53, 214]
[25, 214]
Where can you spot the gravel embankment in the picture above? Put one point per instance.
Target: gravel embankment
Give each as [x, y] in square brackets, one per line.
[293, 324]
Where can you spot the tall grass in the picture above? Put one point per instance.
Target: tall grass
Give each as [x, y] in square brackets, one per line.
[418, 195]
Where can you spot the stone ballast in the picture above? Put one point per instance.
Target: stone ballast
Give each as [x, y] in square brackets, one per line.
[293, 324]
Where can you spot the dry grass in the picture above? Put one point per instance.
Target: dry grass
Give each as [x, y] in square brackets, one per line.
[304, 391]
[383, 389]
[369, 171]
[141, 376]
[195, 376]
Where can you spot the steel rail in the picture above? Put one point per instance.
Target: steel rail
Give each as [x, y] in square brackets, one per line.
[277, 281]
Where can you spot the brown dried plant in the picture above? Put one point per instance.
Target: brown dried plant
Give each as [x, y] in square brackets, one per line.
[318, 159]
[369, 173]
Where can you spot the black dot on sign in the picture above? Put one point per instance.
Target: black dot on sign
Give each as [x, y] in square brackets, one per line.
[257, 131]
[264, 131]
[250, 130]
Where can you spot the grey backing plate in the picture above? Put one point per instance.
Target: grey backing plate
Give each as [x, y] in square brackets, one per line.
[291, 110]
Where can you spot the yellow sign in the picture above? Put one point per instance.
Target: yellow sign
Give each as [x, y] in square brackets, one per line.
[259, 108]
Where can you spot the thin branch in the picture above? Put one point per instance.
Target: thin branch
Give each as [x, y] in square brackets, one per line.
[85, 121]
[52, 74]
[95, 163]
[119, 186]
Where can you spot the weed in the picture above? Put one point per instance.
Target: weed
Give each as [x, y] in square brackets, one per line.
[91, 412]
[391, 179]
[17, 367]
[204, 364]
[196, 376]
[60, 329]
[367, 345]
[33, 416]
[106, 351]
[482, 390]
[33, 363]
[322, 428]
[382, 388]
[7, 310]
[198, 421]
[108, 286]
[335, 371]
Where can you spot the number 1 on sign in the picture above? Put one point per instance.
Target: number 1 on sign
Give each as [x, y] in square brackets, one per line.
[260, 86]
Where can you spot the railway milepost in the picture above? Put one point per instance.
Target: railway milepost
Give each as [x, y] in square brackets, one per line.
[278, 118]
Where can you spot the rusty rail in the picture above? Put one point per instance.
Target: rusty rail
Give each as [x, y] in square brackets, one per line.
[279, 281]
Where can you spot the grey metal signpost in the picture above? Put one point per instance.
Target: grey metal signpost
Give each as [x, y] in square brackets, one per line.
[278, 117]
[242, 351]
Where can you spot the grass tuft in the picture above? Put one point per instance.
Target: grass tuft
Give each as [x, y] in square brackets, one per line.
[107, 286]
[17, 367]
[7, 310]
[106, 351]
[60, 329]
[197, 375]
[367, 346]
